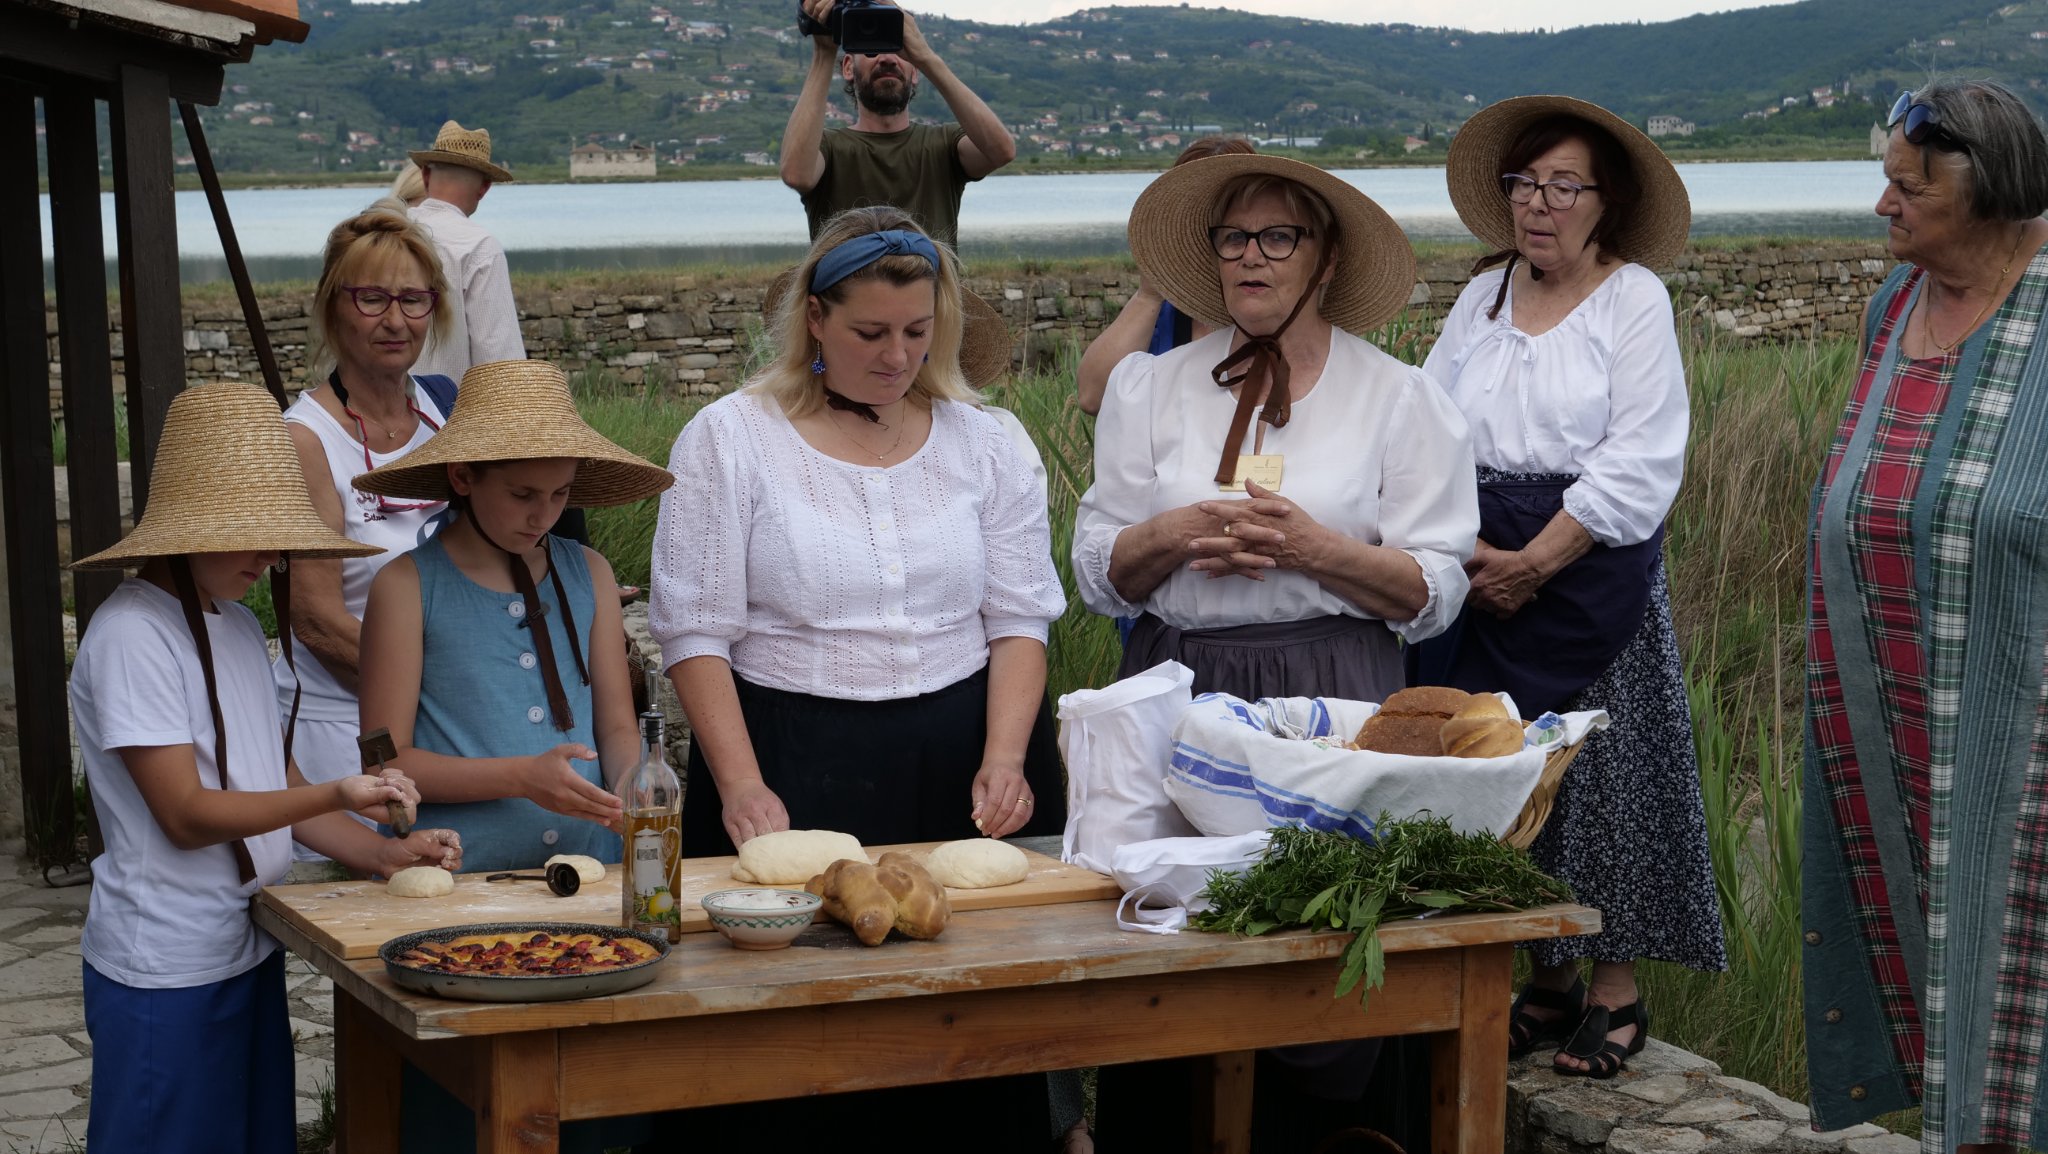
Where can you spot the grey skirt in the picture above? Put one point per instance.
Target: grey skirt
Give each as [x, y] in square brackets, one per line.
[1336, 656]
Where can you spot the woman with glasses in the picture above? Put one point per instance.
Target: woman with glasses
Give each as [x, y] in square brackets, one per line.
[378, 295]
[1565, 363]
[1279, 503]
[1926, 763]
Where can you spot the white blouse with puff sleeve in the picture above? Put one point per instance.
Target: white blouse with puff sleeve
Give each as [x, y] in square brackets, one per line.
[1600, 396]
[819, 576]
[1374, 451]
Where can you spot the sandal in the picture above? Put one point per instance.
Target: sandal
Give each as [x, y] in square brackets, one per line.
[1589, 1042]
[1527, 1032]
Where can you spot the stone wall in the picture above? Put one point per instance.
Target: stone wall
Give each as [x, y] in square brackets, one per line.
[695, 333]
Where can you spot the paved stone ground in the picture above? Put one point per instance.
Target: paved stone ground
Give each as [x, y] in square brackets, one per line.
[45, 1056]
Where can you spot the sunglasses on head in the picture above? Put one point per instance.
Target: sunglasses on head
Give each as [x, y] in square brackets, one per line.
[1922, 122]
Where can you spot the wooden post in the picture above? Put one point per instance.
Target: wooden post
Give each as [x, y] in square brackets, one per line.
[366, 1080]
[1467, 1085]
[1223, 1102]
[519, 1094]
[92, 463]
[28, 492]
[146, 224]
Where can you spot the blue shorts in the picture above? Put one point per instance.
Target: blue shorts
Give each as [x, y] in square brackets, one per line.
[205, 1069]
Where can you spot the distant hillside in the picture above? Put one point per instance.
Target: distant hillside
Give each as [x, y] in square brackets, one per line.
[711, 81]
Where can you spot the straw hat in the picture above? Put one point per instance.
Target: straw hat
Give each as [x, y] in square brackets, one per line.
[518, 411]
[225, 480]
[1169, 235]
[470, 148]
[1662, 218]
[984, 336]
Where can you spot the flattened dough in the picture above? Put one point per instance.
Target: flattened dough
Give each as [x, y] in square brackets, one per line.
[794, 856]
[588, 869]
[977, 863]
[421, 882]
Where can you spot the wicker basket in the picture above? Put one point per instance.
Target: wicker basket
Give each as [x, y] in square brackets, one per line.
[1522, 834]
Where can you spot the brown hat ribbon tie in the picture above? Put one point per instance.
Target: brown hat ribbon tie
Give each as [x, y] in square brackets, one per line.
[1265, 379]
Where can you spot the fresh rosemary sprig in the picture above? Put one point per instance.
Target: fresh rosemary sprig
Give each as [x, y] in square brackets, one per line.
[1414, 866]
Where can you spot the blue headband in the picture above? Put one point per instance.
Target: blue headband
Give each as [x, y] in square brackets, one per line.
[862, 251]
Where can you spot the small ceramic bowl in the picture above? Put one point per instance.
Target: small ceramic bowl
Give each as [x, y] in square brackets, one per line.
[761, 919]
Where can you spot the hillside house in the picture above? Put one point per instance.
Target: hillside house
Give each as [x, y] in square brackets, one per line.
[598, 162]
[1668, 126]
[1879, 137]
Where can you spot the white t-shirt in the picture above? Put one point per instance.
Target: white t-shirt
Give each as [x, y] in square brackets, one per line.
[815, 575]
[162, 917]
[1374, 451]
[1601, 395]
[364, 519]
[483, 319]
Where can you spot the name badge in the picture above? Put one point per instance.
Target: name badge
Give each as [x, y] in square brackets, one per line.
[1263, 468]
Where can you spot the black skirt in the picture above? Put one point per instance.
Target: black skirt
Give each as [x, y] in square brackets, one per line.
[886, 772]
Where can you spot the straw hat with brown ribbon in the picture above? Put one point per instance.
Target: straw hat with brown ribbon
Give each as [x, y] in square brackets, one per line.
[984, 336]
[519, 411]
[1658, 227]
[1169, 235]
[225, 480]
[469, 148]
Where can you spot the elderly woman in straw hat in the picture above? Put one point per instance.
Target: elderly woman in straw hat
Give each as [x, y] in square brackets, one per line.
[502, 679]
[853, 585]
[1279, 503]
[1565, 363]
[1926, 774]
[197, 795]
[379, 296]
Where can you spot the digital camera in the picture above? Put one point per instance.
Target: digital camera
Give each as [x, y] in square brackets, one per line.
[868, 27]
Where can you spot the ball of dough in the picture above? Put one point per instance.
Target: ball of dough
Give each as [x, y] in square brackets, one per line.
[977, 864]
[422, 882]
[794, 856]
[588, 869]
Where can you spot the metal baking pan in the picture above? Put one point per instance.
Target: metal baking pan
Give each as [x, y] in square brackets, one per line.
[520, 987]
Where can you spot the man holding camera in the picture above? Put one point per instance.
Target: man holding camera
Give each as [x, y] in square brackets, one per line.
[883, 158]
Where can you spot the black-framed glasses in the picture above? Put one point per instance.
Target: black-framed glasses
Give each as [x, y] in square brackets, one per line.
[375, 300]
[1275, 243]
[1558, 194]
[1922, 121]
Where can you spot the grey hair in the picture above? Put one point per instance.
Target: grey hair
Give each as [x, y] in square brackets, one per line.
[1999, 139]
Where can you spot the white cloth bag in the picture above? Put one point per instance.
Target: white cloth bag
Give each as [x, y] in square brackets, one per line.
[1163, 879]
[1239, 766]
[1116, 741]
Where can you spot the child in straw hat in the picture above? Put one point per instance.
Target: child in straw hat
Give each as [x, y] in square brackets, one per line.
[501, 677]
[197, 795]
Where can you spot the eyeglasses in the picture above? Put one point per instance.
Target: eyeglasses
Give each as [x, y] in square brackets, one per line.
[1558, 194]
[375, 300]
[1275, 243]
[1922, 121]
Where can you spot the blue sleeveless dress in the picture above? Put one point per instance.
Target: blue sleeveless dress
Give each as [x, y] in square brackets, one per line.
[481, 695]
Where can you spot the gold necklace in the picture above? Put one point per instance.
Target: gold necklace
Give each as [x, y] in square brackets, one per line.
[1927, 316]
[901, 427]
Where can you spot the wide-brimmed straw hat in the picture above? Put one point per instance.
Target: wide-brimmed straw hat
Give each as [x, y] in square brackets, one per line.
[984, 335]
[469, 148]
[226, 480]
[1169, 235]
[1662, 219]
[519, 411]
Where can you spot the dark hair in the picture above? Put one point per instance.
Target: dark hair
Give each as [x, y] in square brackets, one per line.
[1989, 126]
[1620, 189]
[1209, 146]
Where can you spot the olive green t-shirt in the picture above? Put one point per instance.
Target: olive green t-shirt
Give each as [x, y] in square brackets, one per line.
[917, 170]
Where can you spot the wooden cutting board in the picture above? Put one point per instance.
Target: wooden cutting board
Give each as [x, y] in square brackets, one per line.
[353, 918]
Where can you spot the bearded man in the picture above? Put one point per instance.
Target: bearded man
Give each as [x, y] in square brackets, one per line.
[882, 158]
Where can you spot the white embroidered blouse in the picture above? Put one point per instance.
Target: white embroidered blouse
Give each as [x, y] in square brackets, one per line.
[815, 575]
[1374, 451]
[1601, 395]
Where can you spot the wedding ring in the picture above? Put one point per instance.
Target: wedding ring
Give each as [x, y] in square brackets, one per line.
[1230, 528]
[1023, 801]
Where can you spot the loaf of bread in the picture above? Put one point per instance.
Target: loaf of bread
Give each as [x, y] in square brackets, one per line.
[1482, 705]
[1438, 701]
[1481, 736]
[897, 893]
[1409, 735]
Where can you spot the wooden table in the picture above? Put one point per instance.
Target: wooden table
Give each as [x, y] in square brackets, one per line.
[1004, 991]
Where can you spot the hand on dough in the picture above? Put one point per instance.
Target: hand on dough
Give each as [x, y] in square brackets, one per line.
[431, 847]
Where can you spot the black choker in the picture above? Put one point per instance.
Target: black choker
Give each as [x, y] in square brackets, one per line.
[848, 405]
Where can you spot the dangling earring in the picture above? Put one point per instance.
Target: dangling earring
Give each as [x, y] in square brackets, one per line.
[818, 362]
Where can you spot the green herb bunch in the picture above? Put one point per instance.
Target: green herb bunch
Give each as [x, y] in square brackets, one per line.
[1415, 866]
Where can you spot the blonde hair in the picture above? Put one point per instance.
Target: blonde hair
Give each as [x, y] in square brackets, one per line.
[788, 379]
[366, 240]
[410, 185]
